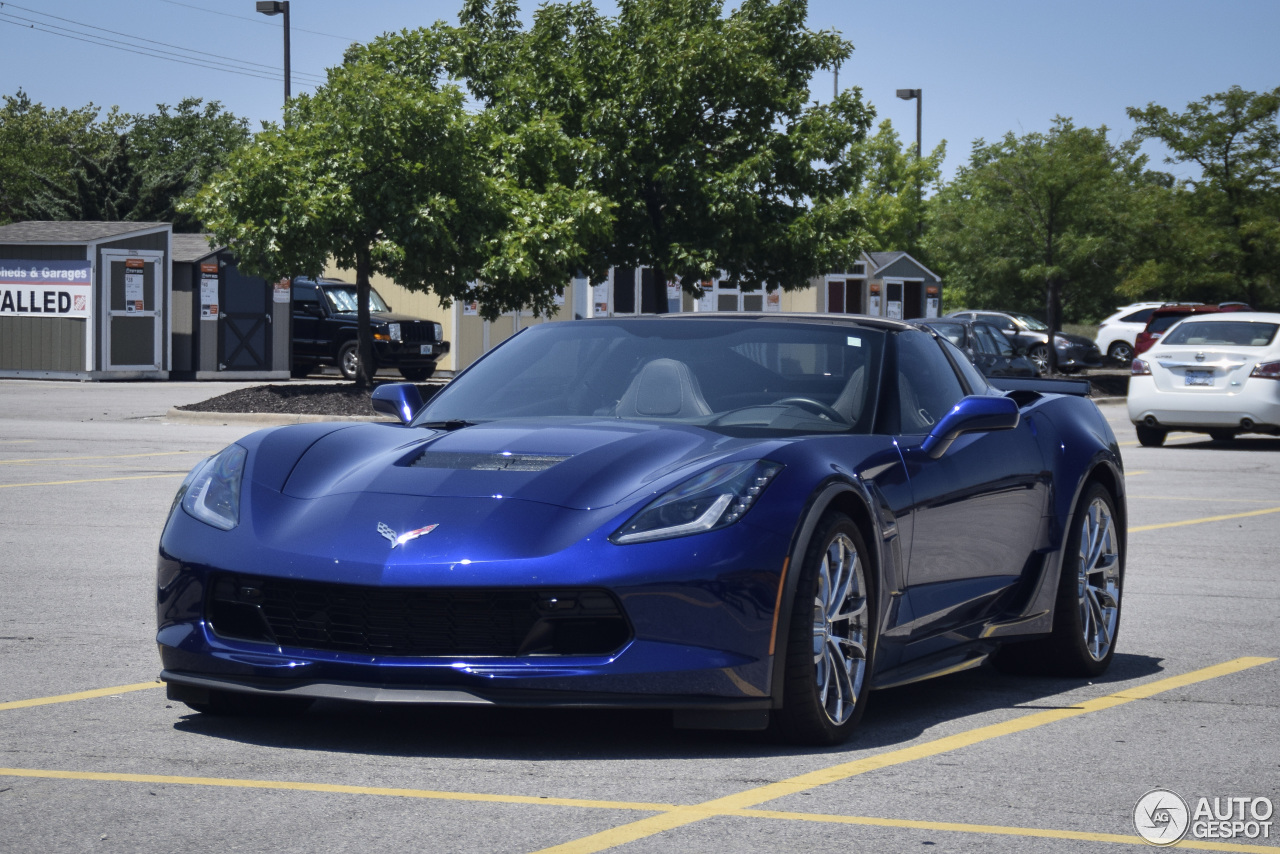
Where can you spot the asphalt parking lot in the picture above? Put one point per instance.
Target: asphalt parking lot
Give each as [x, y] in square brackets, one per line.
[96, 759]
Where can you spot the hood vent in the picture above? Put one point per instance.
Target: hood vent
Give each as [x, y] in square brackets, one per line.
[487, 462]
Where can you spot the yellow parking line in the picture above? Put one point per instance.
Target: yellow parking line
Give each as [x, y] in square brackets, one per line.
[331, 788]
[91, 480]
[81, 695]
[682, 816]
[996, 830]
[1201, 499]
[105, 457]
[1139, 528]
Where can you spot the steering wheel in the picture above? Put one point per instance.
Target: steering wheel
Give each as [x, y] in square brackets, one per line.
[816, 405]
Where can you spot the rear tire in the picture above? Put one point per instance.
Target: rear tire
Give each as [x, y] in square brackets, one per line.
[830, 638]
[1150, 437]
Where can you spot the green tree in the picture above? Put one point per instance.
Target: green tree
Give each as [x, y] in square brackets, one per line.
[382, 170]
[1221, 229]
[36, 140]
[697, 127]
[176, 151]
[1038, 223]
[892, 195]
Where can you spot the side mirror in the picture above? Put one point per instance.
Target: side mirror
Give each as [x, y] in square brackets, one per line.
[399, 399]
[973, 414]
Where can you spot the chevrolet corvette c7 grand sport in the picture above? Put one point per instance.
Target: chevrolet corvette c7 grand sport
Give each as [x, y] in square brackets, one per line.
[750, 520]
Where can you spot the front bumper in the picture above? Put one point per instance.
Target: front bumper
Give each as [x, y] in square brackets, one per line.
[401, 353]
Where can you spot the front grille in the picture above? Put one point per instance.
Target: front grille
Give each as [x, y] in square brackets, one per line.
[403, 621]
[417, 333]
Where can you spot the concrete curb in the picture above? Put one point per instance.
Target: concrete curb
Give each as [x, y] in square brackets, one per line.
[265, 418]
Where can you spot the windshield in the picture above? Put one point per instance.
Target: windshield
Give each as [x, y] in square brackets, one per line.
[343, 298]
[1222, 333]
[1030, 322]
[722, 374]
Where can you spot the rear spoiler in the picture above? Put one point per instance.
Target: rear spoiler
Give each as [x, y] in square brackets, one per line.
[1041, 385]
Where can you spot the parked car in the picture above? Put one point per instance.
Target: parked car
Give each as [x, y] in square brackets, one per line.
[1117, 333]
[1167, 315]
[1074, 351]
[324, 332]
[705, 513]
[1212, 373]
[989, 350]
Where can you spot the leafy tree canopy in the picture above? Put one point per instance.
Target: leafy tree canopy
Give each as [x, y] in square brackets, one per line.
[1038, 223]
[382, 170]
[1221, 230]
[892, 198]
[696, 126]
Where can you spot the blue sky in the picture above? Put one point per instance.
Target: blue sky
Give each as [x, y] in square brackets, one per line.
[987, 67]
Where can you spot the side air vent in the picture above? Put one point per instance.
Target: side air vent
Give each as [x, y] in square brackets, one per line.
[487, 462]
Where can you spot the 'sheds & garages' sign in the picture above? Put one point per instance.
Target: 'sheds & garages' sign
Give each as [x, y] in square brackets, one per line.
[45, 288]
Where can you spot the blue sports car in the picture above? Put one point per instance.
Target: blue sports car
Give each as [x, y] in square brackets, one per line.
[750, 520]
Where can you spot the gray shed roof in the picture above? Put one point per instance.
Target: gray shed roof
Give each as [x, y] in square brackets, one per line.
[880, 260]
[192, 247]
[71, 232]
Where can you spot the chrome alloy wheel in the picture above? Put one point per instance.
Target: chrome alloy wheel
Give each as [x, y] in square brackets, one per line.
[1098, 579]
[840, 624]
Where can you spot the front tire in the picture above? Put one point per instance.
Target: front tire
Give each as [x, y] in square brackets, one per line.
[1039, 356]
[349, 359]
[831, 638]
[1149, 437]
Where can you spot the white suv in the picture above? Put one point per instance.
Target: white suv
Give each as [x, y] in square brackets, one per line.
[1118, 332]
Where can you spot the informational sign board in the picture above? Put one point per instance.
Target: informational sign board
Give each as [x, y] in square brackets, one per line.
[281, 291]
[46, 288]
[600, 297]
[471, 308]
[773, 301]
[932, 309]
[209, 291]
[895, 309]
[133, 276]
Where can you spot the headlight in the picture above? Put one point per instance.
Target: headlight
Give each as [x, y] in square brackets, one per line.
[439, 330]
[394, 330]
[211, 493]
[714, 499]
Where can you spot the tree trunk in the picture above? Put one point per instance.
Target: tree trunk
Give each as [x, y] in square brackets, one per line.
[364, 332]
[1053, 316]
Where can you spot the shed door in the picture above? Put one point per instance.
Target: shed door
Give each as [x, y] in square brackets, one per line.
[244, 322]
[133, 312]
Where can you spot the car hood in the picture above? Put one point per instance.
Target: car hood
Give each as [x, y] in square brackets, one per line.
[383, 317]
[574, 463]
[1078, 340]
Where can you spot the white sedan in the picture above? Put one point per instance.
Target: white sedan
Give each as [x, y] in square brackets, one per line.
[1211, 373]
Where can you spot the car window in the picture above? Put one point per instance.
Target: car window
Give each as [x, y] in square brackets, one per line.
[927, 384]
[1161, 322]
[1032, 323]
[1141, 316]
[999, 321]
[972, 376]
[304, 297]
[999, 345]
[343, 298]
[1217, 333]
[724, 375]
[953, 332]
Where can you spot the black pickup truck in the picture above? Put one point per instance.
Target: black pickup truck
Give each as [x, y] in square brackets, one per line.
[324, 332]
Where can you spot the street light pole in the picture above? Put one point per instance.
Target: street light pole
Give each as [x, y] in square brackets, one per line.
[280, 7]
[918, 96]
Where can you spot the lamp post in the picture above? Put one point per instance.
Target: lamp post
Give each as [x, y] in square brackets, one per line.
[280, 7]
[918, 96]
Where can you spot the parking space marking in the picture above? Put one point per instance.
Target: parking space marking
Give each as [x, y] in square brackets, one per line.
[92, 480]
[672, 816]
[331, 788]
[682, 816]
[1201, 499]
[80, 695]
[1139, 528]
[998, 830]
[104, 457]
